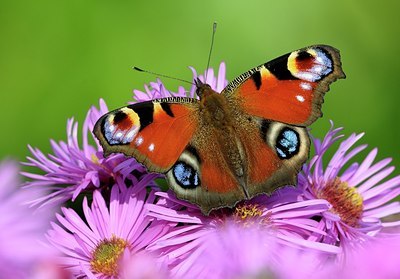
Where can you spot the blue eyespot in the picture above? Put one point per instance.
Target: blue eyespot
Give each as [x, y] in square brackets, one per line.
[287, 143]
[185, 175]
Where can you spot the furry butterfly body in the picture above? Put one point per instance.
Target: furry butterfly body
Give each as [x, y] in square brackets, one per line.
[226, 147]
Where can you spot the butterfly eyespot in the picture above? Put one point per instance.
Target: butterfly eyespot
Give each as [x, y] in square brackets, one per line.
[185, 176]
[185, 173]
[287, 143]
[310, 65]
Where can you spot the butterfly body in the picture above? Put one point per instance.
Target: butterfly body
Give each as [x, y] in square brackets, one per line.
[226, 147]
[219, 121]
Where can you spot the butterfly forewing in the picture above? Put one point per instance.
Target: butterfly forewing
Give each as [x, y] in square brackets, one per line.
[290, 88]
[154, 132]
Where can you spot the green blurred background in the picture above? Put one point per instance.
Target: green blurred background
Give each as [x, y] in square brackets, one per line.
[57, 58]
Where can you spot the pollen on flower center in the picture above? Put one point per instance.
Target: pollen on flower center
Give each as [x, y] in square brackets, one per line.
[246, 211]
[106, 256]
[345, 201]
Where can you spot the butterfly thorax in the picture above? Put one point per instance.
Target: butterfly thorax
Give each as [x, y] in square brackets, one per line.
[213, 106]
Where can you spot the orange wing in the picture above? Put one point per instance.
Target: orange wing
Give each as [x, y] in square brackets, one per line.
[154, 132]
[290, 88]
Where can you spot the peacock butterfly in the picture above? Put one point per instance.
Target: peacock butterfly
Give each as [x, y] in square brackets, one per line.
[226, 147]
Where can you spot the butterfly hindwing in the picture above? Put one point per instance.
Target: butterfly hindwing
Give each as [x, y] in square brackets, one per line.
[275, 156]
[290, 88]
[154, 132]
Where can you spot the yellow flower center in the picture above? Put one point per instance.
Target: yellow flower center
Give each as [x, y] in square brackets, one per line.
[345, 200]
[106, 256]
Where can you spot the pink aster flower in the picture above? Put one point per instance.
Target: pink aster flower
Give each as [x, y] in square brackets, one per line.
[157, 90]
[72, 169]
[252, 252]
[359, 193]
[143, 265]
[290, 223]
[95, 246]
[376, 258]
[238, 252]
[21, 229]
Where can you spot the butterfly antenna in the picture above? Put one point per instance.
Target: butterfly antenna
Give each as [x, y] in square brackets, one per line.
[160, 75]
[211, 47]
